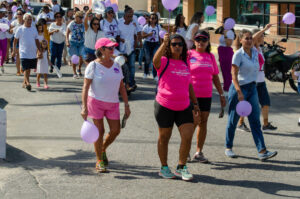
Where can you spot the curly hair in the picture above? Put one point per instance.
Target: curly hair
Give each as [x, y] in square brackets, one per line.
[168, 52]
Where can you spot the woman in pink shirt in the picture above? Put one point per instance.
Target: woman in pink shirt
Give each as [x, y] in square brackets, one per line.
[204, 72]
[172, 104]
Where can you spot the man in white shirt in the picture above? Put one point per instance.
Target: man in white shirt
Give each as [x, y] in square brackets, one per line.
[55, 6]
[29, 48]
[46, 14]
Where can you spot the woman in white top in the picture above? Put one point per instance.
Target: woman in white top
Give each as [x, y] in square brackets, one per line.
[194, 26]
[92, 34]
[150, 33]
[180, 26]
[100, 97]
[109, 25]
[13, 29]
[57, 32]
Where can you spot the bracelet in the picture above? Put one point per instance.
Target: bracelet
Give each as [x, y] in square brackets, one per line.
[222, 95]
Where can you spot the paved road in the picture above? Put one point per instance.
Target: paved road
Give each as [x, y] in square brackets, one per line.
[47, 159]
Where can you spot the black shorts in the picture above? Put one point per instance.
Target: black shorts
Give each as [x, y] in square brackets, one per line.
[204, 104]
[28, 64]
[165, 117]
[263, 94]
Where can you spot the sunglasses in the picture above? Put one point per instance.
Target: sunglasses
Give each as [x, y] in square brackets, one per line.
[153, 18]
[180, 44]
[110, 12]
[10, 13]
[58, 17]
[95, 24]
[80, 17]
[19, 14]
[203, 39]
[109, 48]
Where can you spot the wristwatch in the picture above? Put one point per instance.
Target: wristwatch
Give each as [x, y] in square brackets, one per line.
[222, 95]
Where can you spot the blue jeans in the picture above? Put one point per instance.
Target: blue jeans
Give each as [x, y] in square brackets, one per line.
[250, 94]
[131, 67]
[56, 53]
[299, 87]
[150, 49]
[141, 56]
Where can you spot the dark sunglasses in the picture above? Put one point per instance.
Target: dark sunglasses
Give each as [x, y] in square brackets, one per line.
[19, 14]
[80, 17]
[58, 17]
[109, 48]
[10, 12]
[111, 12]
[153, 18]
[96, 24]
[203, 39]
[180, 44]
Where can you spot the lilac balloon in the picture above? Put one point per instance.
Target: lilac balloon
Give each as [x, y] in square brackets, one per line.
[107, 3]
[170, 5]
[142, 20]
[289, 18]
[89, 132]
[115, 7]
[243, 108]
[14, 8]
[75, 59]
[162, 33]
[229, 24]
[210, 10]
[27, 2]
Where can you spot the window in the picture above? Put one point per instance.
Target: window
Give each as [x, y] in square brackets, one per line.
[250, 13]
[297, 24]
[213, 3]
[165, 14]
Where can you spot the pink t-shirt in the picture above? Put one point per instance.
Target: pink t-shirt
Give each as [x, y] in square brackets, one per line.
[173, 87]
[202, 66]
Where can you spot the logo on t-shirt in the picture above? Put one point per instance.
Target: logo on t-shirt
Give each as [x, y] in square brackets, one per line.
[193, 60]
[116, 70]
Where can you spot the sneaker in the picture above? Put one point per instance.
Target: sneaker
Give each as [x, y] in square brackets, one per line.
[199, 157]
[75, 76]
[145, 76]
[183, 174]
[38, 85]
[100, 167]
[2, 70]
[156, 79]
[188, 159]
[165, 172]
[299, 122]
[28, 87]
[51, 69]
[104, 158]
[79, 73]
[243, 127]
[267, 155]
[269, 127]
[229, 153]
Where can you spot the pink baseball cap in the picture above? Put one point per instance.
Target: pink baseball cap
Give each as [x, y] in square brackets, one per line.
[105, 42]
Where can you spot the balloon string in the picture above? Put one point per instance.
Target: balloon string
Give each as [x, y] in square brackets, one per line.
[169, 21]
[78, 101]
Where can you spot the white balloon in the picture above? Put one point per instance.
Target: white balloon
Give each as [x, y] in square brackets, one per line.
[98, 7]
[120, 60]
[4, 26]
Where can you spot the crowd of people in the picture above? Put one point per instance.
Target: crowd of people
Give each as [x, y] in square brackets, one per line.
[182, 65]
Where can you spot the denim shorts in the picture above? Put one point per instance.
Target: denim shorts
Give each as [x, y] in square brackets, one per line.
[28, 64]
[263, 94]
[76, 49]
[89, 54]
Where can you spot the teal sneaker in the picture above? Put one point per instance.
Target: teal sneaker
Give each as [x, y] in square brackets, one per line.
[165, 172]
[104, 158]
[183, 174]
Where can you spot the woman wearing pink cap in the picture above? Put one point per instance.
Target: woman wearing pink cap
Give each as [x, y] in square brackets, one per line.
[102, 84]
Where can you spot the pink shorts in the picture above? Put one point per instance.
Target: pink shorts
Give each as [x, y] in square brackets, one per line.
[98, 109]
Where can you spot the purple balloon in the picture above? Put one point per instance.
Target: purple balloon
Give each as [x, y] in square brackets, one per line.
[289, 18]
[162, 33]
[115, 7]
[210, 10]
[243, 108]
[107, 3]
[75, 59]
[27, 2]
[142, 20]
[14, 8]
[89, 132]
[229, 24]
[170, 5]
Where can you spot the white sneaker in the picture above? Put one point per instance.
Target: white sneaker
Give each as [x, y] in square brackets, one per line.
[2, 69]
[145, 76]
[156, 79]
[75, 76]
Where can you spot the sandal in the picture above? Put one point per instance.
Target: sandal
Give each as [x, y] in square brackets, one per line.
[28, 87]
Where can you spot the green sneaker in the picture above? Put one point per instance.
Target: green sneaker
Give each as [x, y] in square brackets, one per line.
[183, 173]
[104, 158]
[165, 172]
[100, 166]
